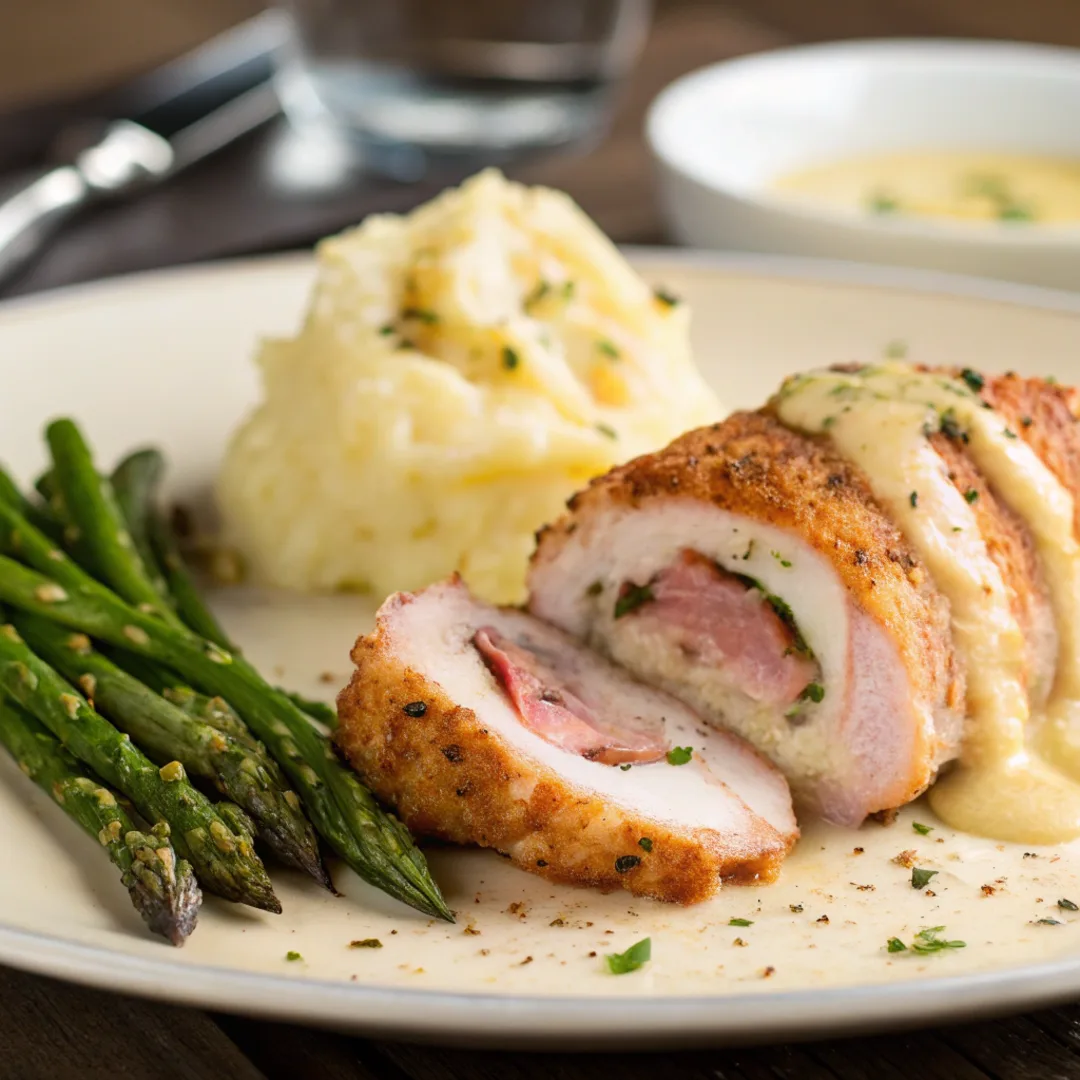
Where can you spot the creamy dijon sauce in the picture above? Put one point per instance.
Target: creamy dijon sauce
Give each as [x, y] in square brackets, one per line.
[976, 187]
[1007, 786]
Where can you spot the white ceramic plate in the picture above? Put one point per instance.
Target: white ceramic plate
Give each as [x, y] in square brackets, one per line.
[167, 358]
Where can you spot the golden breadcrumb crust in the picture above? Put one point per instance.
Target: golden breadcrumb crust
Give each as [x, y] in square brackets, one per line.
[450, 777]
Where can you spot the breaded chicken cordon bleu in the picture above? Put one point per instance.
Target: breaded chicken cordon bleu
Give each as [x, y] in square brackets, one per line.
[484, 725]
[875, 575]
[871, 583]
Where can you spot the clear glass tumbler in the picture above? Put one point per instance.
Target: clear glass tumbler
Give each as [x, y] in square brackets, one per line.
[412, 82]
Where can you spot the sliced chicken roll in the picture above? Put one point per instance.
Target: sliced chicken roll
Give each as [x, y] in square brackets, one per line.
[748, 571]
[482, 725]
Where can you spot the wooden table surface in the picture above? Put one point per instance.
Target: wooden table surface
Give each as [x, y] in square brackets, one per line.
[234, 205]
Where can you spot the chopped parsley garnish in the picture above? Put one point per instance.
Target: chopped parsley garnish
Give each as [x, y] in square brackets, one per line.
[645, 844]
[608, 348]
[740, 922]
[635, 957]
[922, 830]
[664, 297]
[782, 609]
[1048, 922]
[415, 709]
[631, 598]
[746, 555]
[1016, 212]
[973, 379]
[814, 692]
[950, 426]
[1067, 905]
[625, 863]
[882, 203]
[607, 430]
[913, 498]
[785, 563]
[1008, 433]
[920, 878]
[970, 495]
[424, 315]
[291, 956]
[538, 294]
[510, 358]
[387, 330]
[625, 768]
[595, 589]
[927, 941]
[679, 755]
[896, 945]
[1025, 421]
[366, 943]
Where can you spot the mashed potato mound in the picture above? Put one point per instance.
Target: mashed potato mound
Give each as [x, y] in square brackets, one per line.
[460, 372]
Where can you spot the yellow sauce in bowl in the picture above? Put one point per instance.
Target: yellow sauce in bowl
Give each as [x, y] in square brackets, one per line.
[976, 187]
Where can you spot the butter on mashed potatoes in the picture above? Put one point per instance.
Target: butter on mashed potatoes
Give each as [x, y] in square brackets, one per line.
[460, 372]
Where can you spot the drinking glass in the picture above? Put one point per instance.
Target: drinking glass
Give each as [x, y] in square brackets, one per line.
[411, 82]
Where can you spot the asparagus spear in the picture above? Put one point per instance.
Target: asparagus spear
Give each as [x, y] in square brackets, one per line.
[224, 863]
[167, 734]
[92, 508]
[135, 482]
[372, 842]
[162, 887]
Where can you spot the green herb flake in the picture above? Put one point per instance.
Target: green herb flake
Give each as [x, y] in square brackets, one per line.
[645, 844]
[606, 429]
[920, 878]
[1008, 433]
[913, 498]
[970, 495]
[595, 589]
[1048, 922]
[625, 863]
[785, 563]
[974, 380]
[882, 203]
[950, 427]
[740, 922]
[896, 350]
[662, 296]
[568, 290]
[608, 348]
[1025, 421]
[510, 358]
[1016, 212]
[366, 943]
[814, 692]
[293, 956]
[1067, 905]
[927, 941]
[679, 755]
[424, 315]
[538, 294]
[894, 944]
[387, 330]
[635, 957]
[632, 597]
[625, 768]
[922, 830]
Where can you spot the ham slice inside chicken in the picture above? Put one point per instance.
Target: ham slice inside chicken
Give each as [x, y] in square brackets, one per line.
[722, 620]
[557, 706]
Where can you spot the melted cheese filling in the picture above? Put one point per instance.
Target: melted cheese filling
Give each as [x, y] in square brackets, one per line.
[1007, 785]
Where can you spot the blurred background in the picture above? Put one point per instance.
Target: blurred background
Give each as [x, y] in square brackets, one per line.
[64, 64]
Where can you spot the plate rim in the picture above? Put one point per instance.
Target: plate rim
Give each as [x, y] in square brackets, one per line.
[532, 1020]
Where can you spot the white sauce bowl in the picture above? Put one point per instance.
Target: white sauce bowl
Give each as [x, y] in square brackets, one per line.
[724, 134]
